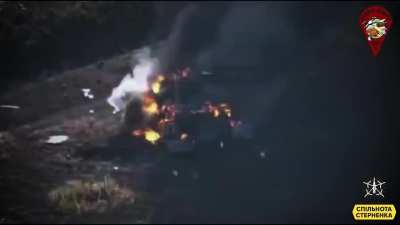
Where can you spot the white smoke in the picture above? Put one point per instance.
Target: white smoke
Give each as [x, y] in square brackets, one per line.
[134, 84]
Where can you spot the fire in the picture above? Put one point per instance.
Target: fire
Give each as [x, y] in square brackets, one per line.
[164, 112]
[226, 109]
[156, 85]
[152, 108]
[169, 113]
[151, 136]
[216, 113]
[228, 113]
[217, 110]
[150, 105]
[161, 78]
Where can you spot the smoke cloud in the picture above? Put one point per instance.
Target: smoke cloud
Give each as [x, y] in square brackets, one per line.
[194, 29]
[134, 84]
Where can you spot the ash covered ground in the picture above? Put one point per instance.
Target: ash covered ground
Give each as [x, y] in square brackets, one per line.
[322, 109]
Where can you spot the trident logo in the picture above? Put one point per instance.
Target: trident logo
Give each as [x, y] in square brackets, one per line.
[374, 187]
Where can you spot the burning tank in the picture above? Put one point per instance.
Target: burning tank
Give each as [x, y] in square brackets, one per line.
[167, 115]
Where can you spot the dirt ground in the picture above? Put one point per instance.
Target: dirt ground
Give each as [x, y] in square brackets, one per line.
[56, 106]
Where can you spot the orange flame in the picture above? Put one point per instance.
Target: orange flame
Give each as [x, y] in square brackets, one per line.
[166, 113]
[216, 112]
[156, 85]
[150, 105]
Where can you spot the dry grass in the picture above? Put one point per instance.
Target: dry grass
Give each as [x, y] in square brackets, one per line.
[80, 196]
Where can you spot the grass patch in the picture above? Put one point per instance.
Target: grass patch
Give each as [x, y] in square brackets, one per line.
[79, 196]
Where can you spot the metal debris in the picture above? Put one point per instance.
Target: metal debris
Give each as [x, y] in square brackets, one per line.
[87, 93]
[57, 139]
[10, 106]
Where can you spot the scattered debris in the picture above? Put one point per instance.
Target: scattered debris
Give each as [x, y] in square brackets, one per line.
[57, 139]
[10, 106]
[87, 93]
[175, 173]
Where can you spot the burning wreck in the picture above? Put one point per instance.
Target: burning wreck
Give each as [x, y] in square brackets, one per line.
[158, 108]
